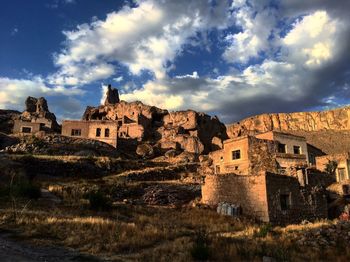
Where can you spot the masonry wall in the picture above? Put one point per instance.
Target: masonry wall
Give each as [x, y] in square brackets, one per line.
[131, 130]
[18, 124]
[88, 130]
[103, 125]
[237, 166]
[343, 161]
[262, 156]
[307, 203]
[247, 191]
[288, 140]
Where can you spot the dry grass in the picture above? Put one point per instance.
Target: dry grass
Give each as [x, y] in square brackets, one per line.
[163, 234]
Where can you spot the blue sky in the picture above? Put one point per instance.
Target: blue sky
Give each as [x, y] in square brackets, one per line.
[228, 58]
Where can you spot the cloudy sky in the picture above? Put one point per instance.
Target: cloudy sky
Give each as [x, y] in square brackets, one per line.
[227, 58]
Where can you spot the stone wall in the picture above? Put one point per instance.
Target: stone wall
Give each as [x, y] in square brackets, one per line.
[343, 161]
[247, 191]
[88, 130]
[260, 197]
[306, 203]
[19, 124]
[262, 156]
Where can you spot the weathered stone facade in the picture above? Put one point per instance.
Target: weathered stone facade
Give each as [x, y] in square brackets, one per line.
[267, 197]
[342, 171]
[261, 153]
[101, 130]
[35, 118]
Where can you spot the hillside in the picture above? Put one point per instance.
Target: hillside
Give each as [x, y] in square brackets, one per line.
[328, 130]
[336, 119]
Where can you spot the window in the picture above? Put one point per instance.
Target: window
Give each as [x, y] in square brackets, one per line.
[98, 132]
[297, 150]
[236, 154]
[217, 169]
[42, 126]
[107, 132]
[341, 174]
[76, 132]
[285, 201]
[236, 167]
[282, 148]
[26, 129]
[221, 158]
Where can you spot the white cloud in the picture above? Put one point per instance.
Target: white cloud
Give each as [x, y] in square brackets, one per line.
[118, 79]
[313, 39]
[13, 92]
[147, 37]
[256, 28]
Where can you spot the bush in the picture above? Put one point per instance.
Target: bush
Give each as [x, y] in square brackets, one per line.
[200, 249]
[263, 230]
[98, 201]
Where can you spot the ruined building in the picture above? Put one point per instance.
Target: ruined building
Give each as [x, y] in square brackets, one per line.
[35, 118]
[268, 176]
[134, 121]
[342, 165]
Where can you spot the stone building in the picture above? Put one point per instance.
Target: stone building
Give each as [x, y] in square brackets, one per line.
[35, 118]
[101, 130]
[342, 171]
[267, 197]
[271, 151]
[267, 176]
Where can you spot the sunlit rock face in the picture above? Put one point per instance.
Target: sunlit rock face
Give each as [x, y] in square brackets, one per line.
[337, 119]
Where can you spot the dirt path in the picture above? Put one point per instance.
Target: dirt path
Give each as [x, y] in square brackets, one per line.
[13, 251]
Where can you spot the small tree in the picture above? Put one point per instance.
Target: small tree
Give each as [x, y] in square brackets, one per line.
[331, 166]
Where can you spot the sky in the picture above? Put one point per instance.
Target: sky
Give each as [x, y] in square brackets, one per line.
[227, 58]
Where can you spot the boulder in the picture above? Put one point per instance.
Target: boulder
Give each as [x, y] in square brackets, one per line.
[190, 144]
[145, 150]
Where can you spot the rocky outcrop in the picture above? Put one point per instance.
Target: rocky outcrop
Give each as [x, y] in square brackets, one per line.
[336, 119]
[112, 96]
[7, 118]
[189, 131]
[37, 109]
[193, 130]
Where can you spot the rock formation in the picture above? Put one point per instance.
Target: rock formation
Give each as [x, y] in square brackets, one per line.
[7, 118]
[336, 119]
[112, 96]
[37, 108]
[189, 131]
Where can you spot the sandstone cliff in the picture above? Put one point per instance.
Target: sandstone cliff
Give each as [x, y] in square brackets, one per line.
[336, 119]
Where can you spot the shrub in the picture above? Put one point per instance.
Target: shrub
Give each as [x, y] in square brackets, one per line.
[98, 201]
[263, 230]
[200, 249]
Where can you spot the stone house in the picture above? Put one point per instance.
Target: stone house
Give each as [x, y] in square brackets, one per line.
[267, 176]
[342, 171]
[101, 130]
[31, 126]
[267, 197]
[271, 151]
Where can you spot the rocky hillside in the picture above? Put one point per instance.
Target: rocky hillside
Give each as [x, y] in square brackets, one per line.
[328, 130]
[336, 119]
[6, 120]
